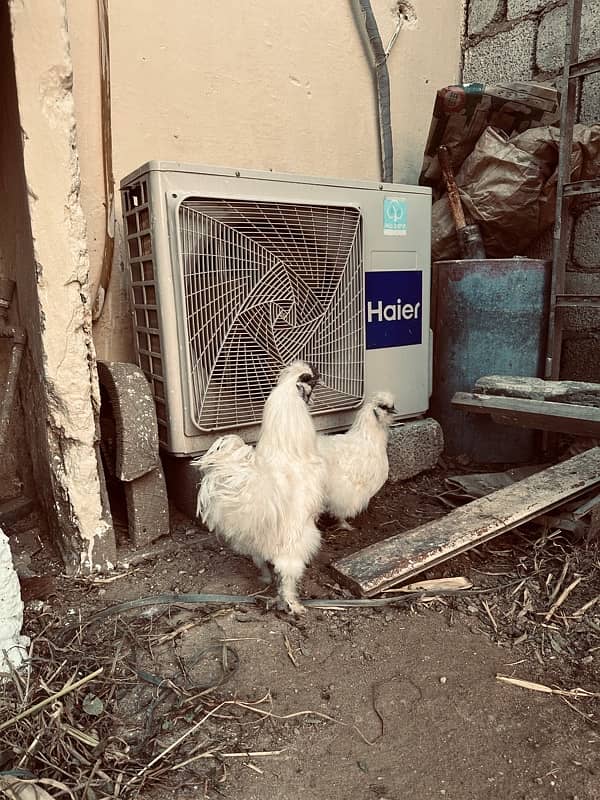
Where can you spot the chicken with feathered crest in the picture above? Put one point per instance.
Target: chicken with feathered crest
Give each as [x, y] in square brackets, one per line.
[264, 500]
[357, 461]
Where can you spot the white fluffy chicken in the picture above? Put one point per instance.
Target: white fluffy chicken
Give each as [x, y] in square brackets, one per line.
[264, 501]
[357, 462]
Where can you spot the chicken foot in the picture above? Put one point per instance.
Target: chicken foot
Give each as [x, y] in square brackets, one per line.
[289, 571]
[343, 525]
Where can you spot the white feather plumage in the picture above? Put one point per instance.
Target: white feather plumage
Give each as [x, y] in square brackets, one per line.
[356, 462]
[264, 500]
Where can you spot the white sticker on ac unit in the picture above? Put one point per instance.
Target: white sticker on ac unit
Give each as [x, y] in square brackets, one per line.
[395, 216]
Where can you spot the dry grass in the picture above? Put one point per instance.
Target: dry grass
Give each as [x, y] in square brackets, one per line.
[114, 709]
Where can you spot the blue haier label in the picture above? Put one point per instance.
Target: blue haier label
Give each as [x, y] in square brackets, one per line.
[394, 308]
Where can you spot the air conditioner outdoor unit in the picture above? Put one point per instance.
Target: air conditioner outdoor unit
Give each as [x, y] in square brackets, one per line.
[236, 273]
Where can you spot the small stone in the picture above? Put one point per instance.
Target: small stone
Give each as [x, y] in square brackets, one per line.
[92, 705]
[443, 679]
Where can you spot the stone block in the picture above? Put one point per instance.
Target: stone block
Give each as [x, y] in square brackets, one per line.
[552, 33]
[413, 448]
[508, 56]
[590, 99]
[583, 320]
[481, 13]
[580, 360]
[586, 248]
[518, 8]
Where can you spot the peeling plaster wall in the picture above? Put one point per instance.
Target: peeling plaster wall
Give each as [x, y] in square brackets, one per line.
[59, 368]
[256, 84]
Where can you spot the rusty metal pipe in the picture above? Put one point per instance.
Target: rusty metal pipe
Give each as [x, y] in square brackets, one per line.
[19, 338]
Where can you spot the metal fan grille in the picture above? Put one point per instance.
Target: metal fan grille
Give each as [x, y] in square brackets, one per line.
[266, 283]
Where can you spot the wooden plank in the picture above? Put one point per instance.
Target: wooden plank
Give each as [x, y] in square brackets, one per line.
[578, 301]
[568, 418]
[400, 557]
[579, 392]
[579, 188]
[587, 67]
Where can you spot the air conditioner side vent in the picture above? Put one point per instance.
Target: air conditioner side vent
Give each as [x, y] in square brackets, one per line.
[144, 296]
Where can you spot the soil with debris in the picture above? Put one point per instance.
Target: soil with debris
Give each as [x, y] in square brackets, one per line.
[239, 702]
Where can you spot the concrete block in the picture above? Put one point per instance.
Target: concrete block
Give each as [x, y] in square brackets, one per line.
[580, 360]
[584, 320]
[508, 56]
[518, 8]
[586, 248]
[13, 646]
[413, 448]
[481, 13]
[552, 32]
[590, 99]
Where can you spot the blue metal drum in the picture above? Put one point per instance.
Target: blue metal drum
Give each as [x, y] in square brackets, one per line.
[489, 318]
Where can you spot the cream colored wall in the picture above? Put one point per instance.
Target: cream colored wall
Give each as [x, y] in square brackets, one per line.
[262, 84]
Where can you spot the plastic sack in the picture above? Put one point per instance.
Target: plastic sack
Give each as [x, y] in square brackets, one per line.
[508, 187]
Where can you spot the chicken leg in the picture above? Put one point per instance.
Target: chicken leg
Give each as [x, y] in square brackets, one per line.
[289, 571]
[265, 572]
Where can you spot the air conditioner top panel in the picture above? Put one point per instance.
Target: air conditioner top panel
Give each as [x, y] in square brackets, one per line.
[229, 172]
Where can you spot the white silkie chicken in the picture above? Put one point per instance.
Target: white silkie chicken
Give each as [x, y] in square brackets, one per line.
[264, 501]
[357, 462]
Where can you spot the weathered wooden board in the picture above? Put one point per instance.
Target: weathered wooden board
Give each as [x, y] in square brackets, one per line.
[585, 394]
[577, 420]
[400, 557]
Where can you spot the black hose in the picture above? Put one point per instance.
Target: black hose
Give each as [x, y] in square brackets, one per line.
[382, 81]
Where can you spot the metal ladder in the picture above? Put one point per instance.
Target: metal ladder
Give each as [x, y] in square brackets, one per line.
[565, 191]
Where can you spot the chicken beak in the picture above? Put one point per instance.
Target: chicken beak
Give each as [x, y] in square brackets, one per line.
[396, 418]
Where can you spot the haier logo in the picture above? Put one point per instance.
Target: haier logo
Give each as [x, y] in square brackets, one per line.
[392, 313]
[394, 308]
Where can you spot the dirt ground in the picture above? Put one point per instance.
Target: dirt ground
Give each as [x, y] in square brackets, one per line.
[404, 701]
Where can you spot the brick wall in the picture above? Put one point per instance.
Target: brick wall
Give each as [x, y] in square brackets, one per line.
[525, 40]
